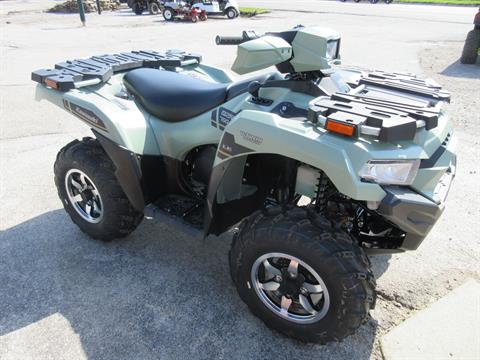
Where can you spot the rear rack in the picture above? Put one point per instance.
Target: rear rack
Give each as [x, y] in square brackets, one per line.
[98, 69]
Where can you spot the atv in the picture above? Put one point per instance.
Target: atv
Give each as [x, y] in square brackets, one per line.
[312, 167]
[472, 43]
[229, 8]
[183, 10]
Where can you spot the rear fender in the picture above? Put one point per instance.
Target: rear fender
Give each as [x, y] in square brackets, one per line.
[123, 131]
[121, 121]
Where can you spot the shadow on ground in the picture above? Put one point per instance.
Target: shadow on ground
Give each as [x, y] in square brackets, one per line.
[380, 264]
[459, 70]
[156, 294]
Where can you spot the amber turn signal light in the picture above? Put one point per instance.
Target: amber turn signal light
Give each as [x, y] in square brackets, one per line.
[51, 83]
[343, 129]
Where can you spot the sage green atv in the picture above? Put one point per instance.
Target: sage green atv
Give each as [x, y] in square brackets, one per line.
[313, 166]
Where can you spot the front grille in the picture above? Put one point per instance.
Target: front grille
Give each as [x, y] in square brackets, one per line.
[447, 139]
[441, 190]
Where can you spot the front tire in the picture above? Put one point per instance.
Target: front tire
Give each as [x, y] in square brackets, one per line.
[324, 296]
[470, 49]
[90, 193]
[231, 13]
[168, 14]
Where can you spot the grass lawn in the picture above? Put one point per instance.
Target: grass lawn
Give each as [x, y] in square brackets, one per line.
[449, 2]
[250, 11]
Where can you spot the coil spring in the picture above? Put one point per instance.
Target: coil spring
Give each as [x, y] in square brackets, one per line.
[321, 198]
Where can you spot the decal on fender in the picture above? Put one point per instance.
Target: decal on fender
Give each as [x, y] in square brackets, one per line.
[224, 116]
[228, 147]
[84, 114]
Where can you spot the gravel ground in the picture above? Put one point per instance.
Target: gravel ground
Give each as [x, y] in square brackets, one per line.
[161, 293]
[463, 81]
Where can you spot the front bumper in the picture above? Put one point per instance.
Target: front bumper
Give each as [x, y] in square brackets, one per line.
[414, 213]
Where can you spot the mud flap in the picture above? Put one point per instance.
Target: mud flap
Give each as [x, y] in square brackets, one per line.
[128, 171]
[227, 203]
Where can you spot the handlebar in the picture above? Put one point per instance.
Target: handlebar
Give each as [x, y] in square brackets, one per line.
[229, 40]
[236, 40]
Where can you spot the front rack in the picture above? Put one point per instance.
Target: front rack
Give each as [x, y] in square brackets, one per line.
[406, 83]
[98, 69]
[389, 106]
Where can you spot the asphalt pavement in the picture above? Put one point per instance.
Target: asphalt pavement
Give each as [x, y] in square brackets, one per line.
[160, 293]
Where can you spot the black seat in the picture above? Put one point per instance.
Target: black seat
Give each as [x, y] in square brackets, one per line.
[176, 97]
[171, 96]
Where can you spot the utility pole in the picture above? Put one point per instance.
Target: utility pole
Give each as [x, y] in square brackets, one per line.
[81, 11]
[99, 9]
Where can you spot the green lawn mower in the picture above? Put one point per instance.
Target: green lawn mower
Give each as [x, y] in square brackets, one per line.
[312, 167]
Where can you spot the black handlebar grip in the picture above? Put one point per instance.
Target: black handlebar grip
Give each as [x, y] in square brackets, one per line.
[229, 40]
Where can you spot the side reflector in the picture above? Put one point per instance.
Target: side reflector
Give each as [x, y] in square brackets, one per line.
[51, 83]
[344, 129]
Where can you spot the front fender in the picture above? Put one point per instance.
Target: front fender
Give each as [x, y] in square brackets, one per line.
[256, 132]
[339, 157]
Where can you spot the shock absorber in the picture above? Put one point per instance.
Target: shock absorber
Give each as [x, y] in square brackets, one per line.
[321, 196]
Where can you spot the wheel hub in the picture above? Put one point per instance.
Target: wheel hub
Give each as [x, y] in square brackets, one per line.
[84, 196]
[291, 284]
[290, 288]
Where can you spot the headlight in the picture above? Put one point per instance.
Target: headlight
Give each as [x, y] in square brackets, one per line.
[332, 47]
[390, 172]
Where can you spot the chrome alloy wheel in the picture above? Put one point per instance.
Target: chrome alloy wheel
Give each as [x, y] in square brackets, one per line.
[290, 288]
[84, 196]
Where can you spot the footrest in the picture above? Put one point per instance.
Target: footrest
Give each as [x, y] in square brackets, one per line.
[184, 213]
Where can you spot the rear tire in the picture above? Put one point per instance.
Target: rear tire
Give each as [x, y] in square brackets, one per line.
[112, 215]
[153, 8]
[321, 250]
[137, 9]
[470, 49]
